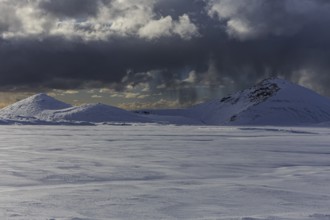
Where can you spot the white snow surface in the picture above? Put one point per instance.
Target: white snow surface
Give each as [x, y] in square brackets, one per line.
[164, 172]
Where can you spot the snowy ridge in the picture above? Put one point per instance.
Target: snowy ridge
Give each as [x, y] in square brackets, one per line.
[271, 102]
[95, 113]
[43, 109]
[32, 107]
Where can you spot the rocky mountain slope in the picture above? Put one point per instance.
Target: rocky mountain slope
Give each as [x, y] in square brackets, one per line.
[271, 102]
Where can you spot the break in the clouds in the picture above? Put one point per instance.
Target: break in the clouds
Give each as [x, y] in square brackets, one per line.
[189, 49]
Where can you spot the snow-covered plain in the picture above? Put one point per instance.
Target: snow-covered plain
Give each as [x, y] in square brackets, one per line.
[164, 172]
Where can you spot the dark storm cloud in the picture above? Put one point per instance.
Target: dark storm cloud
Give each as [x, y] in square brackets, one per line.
[120, 43]
[45, 62]
[286, 38]
[71, 8]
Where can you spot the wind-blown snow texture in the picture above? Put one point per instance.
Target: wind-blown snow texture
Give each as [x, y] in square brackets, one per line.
[271, 102]
[164, 172]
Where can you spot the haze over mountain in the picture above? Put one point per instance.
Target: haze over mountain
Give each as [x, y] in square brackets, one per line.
[271, 102]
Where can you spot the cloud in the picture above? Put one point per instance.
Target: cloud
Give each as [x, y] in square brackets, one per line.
[70, 8]
[161, 103]
[71, 92]
[96, 96]
[185, 28]
[166, 27]
[89, 20]
[192, 77]
[157, 28]
[246, 19]
[167, 47]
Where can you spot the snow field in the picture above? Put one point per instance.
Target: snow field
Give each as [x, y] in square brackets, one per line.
[164, 172]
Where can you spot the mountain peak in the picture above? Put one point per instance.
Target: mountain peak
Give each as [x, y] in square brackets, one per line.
[268, 88]
[259, 92]
[274, 80]
[272, 101]
[33, 106]
[43, 101]
[41, 97]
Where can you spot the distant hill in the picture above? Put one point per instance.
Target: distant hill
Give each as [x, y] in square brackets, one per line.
[33, 107]
[271, 102]
[97, 113]
[42, 108]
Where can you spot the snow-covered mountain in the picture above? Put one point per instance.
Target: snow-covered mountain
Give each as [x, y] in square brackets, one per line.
[33, 107]
[271, 102]
[43, 109]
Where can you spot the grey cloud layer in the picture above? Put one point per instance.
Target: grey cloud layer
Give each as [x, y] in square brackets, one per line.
[246, 19]
[90, 20]
[166, 43]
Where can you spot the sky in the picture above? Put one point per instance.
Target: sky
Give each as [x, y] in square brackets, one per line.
[159, 53]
